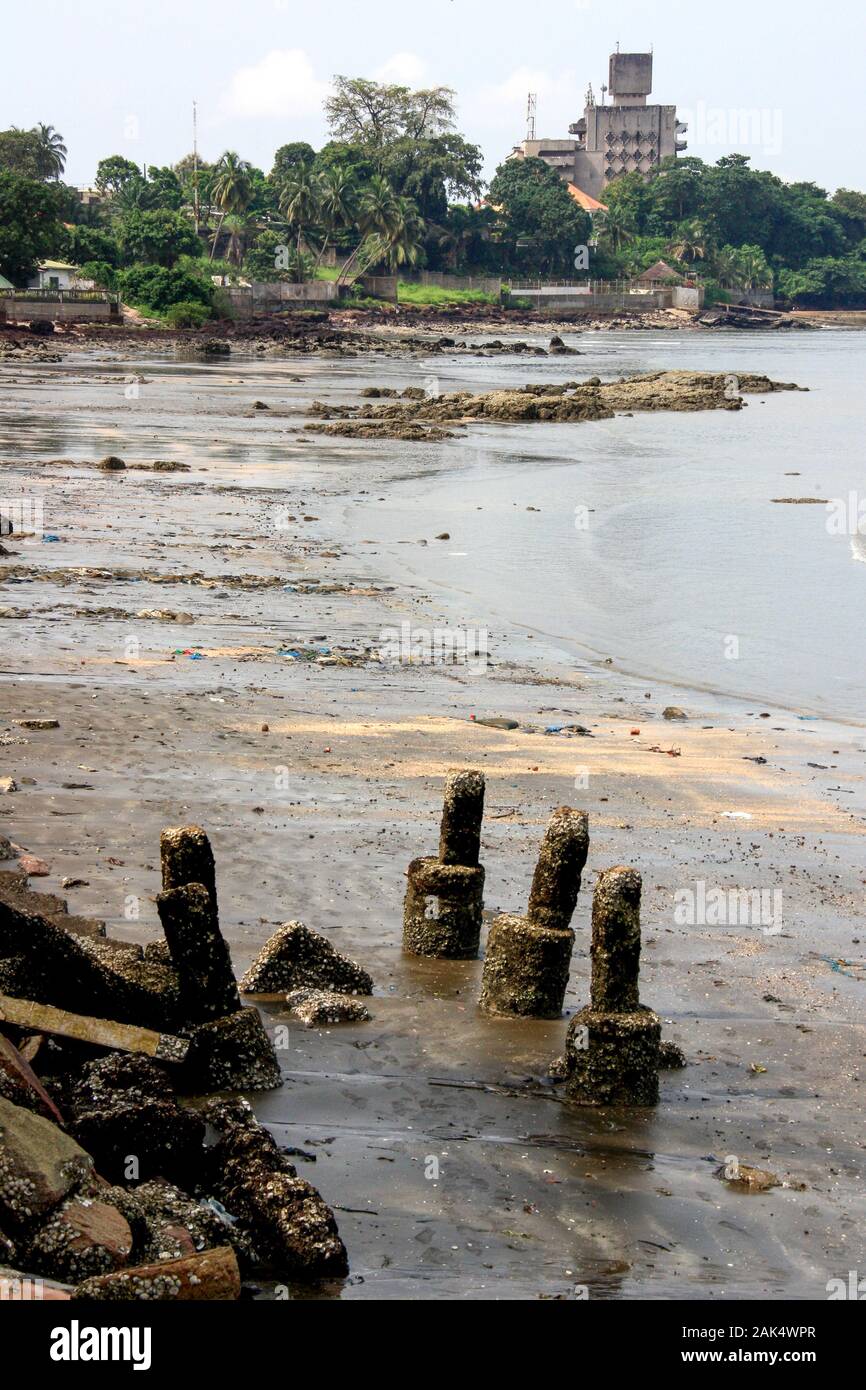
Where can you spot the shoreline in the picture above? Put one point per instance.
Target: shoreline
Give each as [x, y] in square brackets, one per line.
[533, 1196]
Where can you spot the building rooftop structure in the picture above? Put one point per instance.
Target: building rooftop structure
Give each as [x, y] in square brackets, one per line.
[622, 136]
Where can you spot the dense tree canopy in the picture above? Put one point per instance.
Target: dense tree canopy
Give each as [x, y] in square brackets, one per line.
[398, 185]
[30, 229]
[539, 224]
[705, 213]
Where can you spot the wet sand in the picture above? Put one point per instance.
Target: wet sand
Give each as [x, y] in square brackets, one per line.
[318, 817]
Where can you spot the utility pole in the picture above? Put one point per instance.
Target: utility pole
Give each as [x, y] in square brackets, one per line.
[195, 207]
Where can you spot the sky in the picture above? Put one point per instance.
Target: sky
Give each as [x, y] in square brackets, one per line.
[779, 80]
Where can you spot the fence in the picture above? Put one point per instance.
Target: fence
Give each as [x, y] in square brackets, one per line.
[63, 296]
[59, 306]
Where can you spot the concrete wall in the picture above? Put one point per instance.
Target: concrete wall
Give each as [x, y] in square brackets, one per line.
[379, 286]
[687, 297]
[763, 299]
[24, 309]
[573, 299]
[273, 297]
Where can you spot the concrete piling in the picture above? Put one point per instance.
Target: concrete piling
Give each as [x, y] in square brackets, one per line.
[199, 953]
[612, 1045]
[445, 895]
[528, 958]
[462, 813]
[187, 857]
[561, 861]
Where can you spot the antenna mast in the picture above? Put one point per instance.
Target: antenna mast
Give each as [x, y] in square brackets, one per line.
[531, 103]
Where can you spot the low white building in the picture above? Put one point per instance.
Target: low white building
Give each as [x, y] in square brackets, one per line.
[57, 275]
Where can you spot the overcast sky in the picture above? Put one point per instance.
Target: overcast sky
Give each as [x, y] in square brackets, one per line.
[781, 80]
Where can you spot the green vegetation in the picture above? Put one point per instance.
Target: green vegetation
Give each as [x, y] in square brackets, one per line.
[187, 314]
[408, 293]
[397, 187]
[736, 227]
[539, 224]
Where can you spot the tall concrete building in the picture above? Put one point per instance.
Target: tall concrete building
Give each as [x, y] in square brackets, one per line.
[615, 137]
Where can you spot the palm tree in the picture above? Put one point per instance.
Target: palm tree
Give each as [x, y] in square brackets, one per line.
[726, 266]
[231, 189]
[404, 241]
[238, 225]
[300, 202]
[390, 230]
[338, 194]
[379, 210]
[617, 227]
[136, 195]
[52, 149]
[753, 272]
[689, 242]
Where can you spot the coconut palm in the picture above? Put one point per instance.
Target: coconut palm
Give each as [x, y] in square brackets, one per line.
[403, 243]
[338, 194]
[689, 243]
[379, 210]
[231, 189]
[300, 203]
[616, 227]
[753, 272]
[726, 266]
[52, 149]
[238, 225]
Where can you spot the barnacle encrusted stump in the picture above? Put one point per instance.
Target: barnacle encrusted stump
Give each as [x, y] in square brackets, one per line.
[186, 857]
[612, 1046]
[445, 895]
[527, 961]
[230, 1048]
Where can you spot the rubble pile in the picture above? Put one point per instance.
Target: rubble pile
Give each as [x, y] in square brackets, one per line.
[111, 1185]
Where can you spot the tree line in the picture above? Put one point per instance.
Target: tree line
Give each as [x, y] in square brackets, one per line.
[397, 186]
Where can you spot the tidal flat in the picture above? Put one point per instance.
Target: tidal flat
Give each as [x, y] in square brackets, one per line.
[210, 640]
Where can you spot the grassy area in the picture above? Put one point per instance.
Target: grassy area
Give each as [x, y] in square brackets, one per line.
[436, 294]
[327, 272]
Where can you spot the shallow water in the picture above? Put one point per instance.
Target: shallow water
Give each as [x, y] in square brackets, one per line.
[656, 541]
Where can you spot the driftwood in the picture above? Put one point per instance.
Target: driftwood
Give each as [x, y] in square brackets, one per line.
[103, 1032]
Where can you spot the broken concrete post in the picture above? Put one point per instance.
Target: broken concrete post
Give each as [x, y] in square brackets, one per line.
[462, 813]
[296, 957]
[445, 896]
[442, 909]
[528, 958]
[612, 1046]
[290, 1224]
[616, 942]
[234, 1053]
[198, 952]
[187, 858]
[561, 861]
